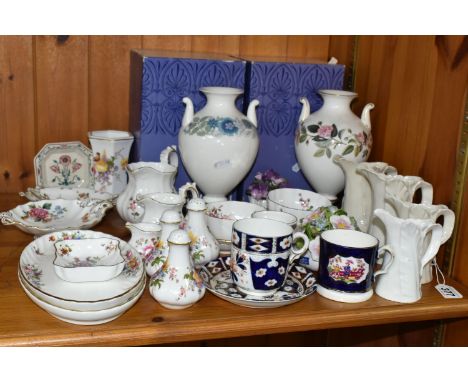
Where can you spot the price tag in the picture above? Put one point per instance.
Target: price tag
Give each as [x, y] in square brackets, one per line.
[448, 292]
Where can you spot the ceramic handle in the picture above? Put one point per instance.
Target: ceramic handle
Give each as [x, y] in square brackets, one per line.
[192, 187]
[449, 223]
[383, 250]
[436, 232]
[6, 219]
[427, 192]
[169, 156]
[297, 252]
[390, 170]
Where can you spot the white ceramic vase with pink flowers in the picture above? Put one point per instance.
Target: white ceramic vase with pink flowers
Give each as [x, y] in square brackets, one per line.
[331, 130]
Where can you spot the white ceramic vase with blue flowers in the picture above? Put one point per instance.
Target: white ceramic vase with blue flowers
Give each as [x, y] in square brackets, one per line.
[218, 145]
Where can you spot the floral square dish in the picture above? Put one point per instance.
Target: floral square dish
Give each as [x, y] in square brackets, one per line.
[65, 164]
[88, 260]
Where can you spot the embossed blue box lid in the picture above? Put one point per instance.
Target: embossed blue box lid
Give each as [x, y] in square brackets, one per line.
[279, 86]
[159, 81]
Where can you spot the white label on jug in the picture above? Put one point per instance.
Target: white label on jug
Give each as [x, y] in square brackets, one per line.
[223, 164]
[448, 292]
[296, 167]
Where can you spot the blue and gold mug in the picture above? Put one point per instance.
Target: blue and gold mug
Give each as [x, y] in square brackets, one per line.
[262, 251]
[346, 264]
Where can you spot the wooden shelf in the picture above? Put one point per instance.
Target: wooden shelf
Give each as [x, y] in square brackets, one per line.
[22, 323]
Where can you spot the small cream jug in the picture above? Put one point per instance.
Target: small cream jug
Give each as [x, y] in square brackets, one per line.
[407, 210]
[406, 238]
[147, 178]
[170, 221]
[152, 206]
[357, 199]
[177, 285]
[203, 247]
[145, 237]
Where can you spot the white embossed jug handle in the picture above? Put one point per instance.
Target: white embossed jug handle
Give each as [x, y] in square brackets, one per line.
[169, 156]
[427, 192]
[449, 223]
[386, 249]
[436, 232]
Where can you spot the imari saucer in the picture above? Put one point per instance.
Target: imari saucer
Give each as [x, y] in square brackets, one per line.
[299, 284]
[65, 164]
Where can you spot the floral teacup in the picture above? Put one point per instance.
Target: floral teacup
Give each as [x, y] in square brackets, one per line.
[261, 253]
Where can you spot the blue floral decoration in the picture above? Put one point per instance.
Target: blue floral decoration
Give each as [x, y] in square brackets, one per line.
[228, 126]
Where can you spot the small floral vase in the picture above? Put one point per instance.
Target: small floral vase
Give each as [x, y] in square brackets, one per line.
[177, 285]
[203, 247]
[110, 158]
[145, 237]
[331, 130]
[155, 259]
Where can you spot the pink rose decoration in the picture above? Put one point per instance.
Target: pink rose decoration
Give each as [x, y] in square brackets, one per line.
[341, 222]
[39, 213]
[325, 131]
[76, 166]
[65, 160]
[55, 168]
[361, 137]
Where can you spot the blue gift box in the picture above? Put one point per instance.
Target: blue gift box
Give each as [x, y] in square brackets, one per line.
[279, 86]
[159, 80]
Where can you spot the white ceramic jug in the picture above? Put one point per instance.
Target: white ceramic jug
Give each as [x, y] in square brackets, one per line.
[407, 185]
[409, 210]
[407, 240]
[145, 237]
[177, 285]
[147, 178]
[332, 130]
[152, 206]
[357, 199]
[218, 144]
[203, 247]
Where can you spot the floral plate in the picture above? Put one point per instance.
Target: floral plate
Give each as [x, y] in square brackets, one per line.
[36, 193]
[66, 164]
[47, 216]
[37, 269]
[216, 275]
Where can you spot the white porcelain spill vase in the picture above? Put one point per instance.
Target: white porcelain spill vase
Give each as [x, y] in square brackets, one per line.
[218, 144]
[331, 130]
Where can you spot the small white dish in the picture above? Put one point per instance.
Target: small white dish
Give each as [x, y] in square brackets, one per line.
[48, 193]
[64, 164]
[84, 318]
[45, 216]
[295, 201]
[88, 260]
[220, 217]
[216, 275]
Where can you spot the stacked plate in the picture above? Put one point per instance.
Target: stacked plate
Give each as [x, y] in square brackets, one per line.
[83, 303]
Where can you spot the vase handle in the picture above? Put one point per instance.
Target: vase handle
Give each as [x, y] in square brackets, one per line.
[192, 187]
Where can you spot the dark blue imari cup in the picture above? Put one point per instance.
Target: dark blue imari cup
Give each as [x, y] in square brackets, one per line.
[261, 253]
[346, 265]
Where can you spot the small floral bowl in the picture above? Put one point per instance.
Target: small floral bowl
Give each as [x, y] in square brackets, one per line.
[46, 216]
[87, 260]
[222, 215]
[296, 201]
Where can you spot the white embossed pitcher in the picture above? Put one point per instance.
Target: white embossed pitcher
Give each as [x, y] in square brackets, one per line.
[432, 212]
[147, 178]
[397, 185]
[407, 239]
[357, 199]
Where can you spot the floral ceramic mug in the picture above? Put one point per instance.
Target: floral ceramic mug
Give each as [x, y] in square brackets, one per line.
[262, 251]
[346, 264]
